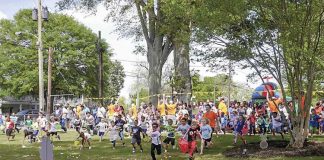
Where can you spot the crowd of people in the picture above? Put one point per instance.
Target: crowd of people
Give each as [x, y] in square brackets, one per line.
[161, 124]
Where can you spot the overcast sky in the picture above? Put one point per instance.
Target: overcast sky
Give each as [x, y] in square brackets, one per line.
[122, 48]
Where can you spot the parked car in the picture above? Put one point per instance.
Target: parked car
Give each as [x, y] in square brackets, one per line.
[22, 116]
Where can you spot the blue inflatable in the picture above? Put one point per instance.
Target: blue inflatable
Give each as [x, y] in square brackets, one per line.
[260, 92]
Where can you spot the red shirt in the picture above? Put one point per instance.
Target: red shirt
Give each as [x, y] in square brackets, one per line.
[11, 125]
[252, 119]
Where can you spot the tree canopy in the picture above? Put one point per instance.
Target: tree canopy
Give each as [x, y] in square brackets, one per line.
[279, 38]
[75, 58]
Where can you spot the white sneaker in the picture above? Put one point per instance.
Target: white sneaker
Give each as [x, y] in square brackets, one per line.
[133, 150]
[174, 147]
[89, 147]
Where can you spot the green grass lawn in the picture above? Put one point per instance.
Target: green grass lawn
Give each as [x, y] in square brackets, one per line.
[65, 149]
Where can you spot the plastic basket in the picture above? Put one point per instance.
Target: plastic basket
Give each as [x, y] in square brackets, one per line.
[245, 130]
[183, 145]
[58, 127]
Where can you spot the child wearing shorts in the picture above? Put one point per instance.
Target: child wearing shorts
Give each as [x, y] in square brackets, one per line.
[136, 136]
[238, 130]
[102, 127]
[206, 132]
[143, 125]
[171, 136]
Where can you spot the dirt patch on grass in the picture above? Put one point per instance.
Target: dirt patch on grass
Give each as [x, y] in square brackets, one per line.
[276, 148]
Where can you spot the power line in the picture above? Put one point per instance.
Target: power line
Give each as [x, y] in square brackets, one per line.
[130, 61]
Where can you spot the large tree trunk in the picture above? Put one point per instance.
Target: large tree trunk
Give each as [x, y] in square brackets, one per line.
[298, 138]
[182, 71]
[155, 71]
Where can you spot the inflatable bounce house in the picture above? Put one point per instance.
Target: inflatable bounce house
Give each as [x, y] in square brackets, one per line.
[260, 92]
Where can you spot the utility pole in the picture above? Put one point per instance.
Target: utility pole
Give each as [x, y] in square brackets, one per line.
[215, 91]
[100, 69]
[40, 58]
[49, 81]
[229, 82]
[137, 90]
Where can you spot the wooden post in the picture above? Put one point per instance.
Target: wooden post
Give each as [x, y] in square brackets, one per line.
[100, 83]
[49, 81]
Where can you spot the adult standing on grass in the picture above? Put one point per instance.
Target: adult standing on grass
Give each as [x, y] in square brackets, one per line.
[161, 109]
[111, 112]
[101, 113]
[133, 111]
[212, 117]
[64, 118]
[171, 111]
[222, 106]
[69, 116]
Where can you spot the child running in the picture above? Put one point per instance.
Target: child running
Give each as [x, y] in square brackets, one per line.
[193, 132]
[10, 125]
[206, 132]
[35, 129]
[314, 122]
[143, 125]
[156, 141]
[136, 136]
[183, 127]
[77, 124]
[52, 128]
[276, 124]
[262, 123]
[120, 125]
[171, 137]
[223, 120]
[238, 129]
[85, 138]
[113, 133]
[102, 127]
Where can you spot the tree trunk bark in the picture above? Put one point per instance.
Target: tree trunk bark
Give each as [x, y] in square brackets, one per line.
[182, 70]
[297, 139]
[155, 73]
